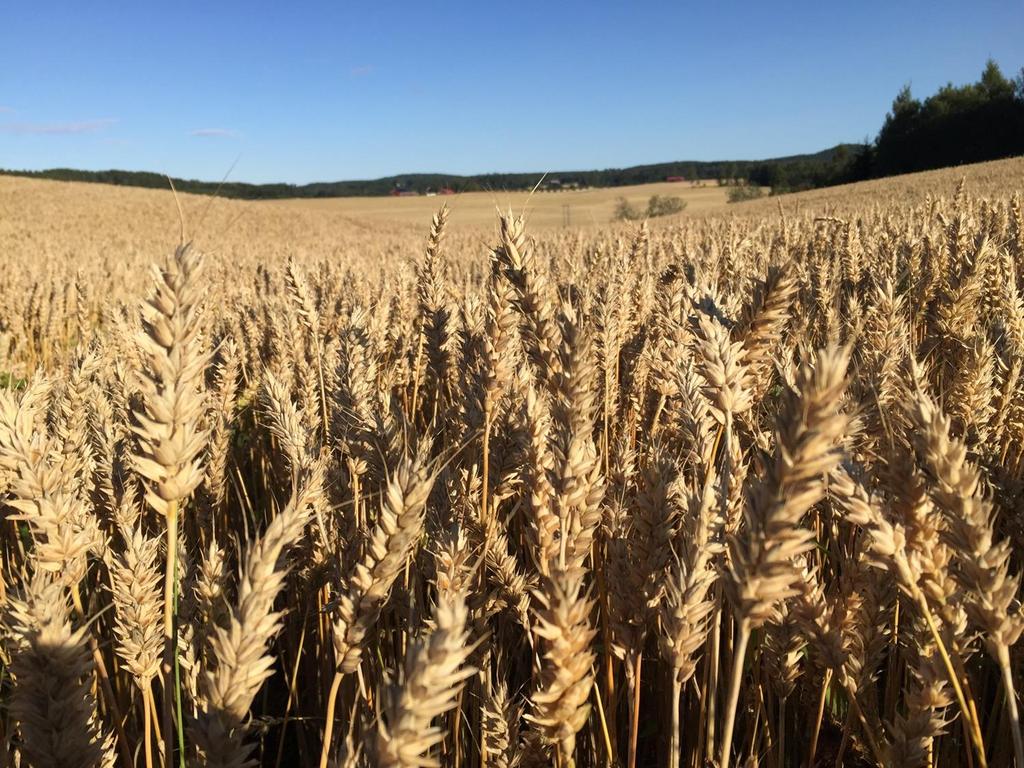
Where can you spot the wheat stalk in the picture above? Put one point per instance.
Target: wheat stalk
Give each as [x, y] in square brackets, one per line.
[763, 568]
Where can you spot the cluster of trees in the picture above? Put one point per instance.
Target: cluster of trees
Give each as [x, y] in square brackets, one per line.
[743, 192]
[966, 124]
[846, 164]
[658, 205]
[958, 124]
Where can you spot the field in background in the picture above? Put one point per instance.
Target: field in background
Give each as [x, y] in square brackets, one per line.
[585, 208]
[42, 212]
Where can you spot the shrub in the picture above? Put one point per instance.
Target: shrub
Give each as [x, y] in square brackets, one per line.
[745, 192]
[626, 211]
[657, 205]
[664, 205]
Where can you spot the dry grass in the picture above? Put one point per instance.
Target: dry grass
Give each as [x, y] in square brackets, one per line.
[740, 488]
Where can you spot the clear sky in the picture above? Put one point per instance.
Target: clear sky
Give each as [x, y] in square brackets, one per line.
[310, 91]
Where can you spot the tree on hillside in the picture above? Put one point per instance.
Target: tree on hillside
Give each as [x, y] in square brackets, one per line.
[957, 124]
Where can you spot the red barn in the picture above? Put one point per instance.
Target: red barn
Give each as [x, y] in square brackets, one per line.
[675, 178]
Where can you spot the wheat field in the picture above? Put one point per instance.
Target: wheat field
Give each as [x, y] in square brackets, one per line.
[740, 487]
[586, 209]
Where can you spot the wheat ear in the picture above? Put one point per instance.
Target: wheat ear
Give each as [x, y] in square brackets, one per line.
[52, 700]
[435, 672]
[169, 427]
[560, 707]
[983, 564]
[764, 569]
[392, 542]
[240, 648]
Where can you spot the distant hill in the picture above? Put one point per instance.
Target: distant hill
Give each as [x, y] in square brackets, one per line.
[692, 170]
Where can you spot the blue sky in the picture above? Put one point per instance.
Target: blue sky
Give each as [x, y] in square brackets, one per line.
[338, 90]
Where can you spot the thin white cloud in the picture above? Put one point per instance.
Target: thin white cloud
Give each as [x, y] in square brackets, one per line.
[361, 71]
[54, 129]
[214, 133]
[7, 110]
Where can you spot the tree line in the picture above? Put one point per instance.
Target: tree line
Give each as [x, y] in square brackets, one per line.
[690, 170]
[956, 125]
